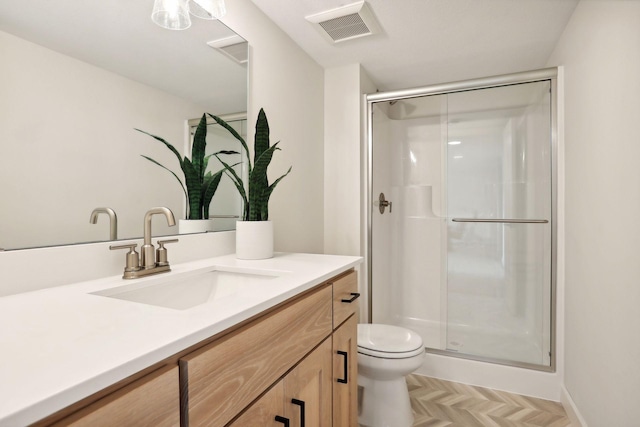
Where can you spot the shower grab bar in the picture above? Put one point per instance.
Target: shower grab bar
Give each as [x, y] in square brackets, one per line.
[504, 221]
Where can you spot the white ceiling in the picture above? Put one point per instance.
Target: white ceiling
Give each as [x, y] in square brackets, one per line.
[118, 35]
[433, 41]
[423, 41]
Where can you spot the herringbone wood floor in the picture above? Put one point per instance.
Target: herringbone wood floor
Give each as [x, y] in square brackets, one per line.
[439, 403]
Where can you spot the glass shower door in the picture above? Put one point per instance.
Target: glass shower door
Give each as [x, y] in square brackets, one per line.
[498, 175]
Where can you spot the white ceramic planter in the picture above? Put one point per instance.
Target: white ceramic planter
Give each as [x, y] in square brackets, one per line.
[254, 239]
[188, 226]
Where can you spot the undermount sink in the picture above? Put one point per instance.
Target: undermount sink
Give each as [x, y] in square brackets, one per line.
[187, 291]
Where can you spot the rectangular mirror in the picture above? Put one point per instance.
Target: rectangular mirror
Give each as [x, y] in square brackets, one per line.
[77, 79]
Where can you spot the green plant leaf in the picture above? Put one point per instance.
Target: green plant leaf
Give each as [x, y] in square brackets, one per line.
[209, 188]
[194, 189]
[237, 181]
[199, 146]
[258, 181]
[236, 135]
[205, 164]
[258, 184]
[258, 191]
[267, 195]
[200, 186]
[224, 152]
[220, 152]
[169, 146]
[261, 138]
[166, 168]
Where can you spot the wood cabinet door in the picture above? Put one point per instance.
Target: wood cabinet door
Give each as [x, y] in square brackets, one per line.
[264, 411]
[308, 395]
[150, 401]
[345, 374]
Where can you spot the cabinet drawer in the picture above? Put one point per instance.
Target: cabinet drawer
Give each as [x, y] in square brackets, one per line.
[153, 400]
[345, 298]
[221, 379]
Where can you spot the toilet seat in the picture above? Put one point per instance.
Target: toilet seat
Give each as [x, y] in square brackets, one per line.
[388, 342]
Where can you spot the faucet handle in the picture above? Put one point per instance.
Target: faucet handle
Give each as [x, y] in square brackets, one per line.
[161, 252]
[133, 259]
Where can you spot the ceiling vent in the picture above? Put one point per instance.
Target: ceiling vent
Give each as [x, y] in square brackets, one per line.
[235, 47]
[346, 22]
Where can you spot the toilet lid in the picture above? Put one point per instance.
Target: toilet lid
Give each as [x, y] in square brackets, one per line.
[388, 341]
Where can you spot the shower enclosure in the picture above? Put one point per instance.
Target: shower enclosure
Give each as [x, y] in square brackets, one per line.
[462, 216]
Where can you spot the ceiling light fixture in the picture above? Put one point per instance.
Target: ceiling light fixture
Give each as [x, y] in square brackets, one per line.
[171, 14]
[174, 14]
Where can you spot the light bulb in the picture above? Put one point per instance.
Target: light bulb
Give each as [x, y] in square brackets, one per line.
[171, 14]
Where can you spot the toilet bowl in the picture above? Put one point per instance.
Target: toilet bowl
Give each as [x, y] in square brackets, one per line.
[386, 354]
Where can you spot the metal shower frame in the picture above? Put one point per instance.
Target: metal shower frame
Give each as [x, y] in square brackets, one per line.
[545, 74]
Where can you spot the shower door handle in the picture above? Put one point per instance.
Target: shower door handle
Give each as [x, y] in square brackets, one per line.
[502, 221]
[383, 203]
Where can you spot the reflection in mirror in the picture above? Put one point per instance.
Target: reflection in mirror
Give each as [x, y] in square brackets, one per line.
[226, 207]
[77, 77]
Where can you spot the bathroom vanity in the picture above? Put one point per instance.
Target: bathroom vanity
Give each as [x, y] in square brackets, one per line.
[270, 342]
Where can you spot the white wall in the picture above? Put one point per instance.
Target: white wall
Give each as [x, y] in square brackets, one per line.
[600, 51]
[342, 160]
[344, 165]
[69, 146]
[288, 84]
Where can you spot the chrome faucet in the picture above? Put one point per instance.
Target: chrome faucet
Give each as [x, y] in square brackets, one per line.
[113, 221]
[151, 261]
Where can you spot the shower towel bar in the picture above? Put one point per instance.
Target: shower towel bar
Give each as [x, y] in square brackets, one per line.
[505, 220]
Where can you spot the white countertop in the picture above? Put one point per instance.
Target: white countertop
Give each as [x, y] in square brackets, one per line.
[62, 344]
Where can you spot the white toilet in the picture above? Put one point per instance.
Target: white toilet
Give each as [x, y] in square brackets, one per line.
[385, 355]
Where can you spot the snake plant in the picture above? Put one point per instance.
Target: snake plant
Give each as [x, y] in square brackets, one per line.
[256, 195]
[199, 185]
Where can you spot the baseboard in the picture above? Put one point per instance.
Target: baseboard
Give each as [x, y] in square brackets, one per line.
[528, 382]
[571, 409]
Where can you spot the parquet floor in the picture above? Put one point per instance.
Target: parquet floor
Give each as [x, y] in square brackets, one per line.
[439, 403]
